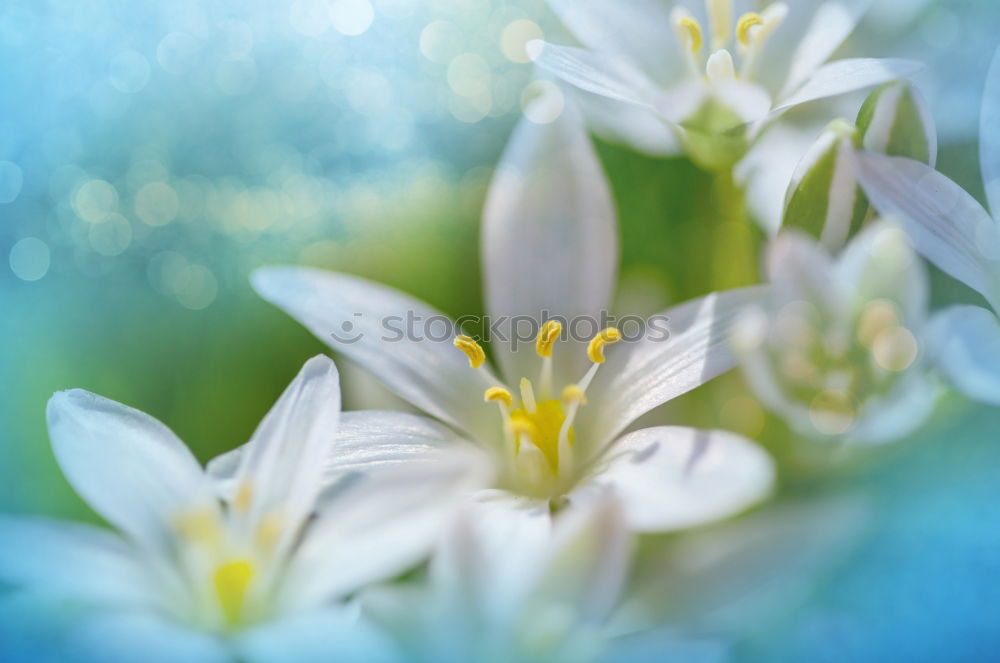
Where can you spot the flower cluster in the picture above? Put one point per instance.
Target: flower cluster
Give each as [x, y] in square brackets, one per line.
[496, 520]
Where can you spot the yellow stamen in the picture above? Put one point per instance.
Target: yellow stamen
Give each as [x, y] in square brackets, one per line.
[595, 351]
[269, 530]
[201, 526]
[522, 426]
[688, 31]
[232, 580]
[547, 337]
[241, 502]
[498, 395]
[574, 394]
[746, 23]
[472, 350]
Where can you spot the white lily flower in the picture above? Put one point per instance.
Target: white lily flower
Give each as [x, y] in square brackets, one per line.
[551, 427]
[956, 233]
[707, 78]
[513, 586]
[254, 576]
[837, 349]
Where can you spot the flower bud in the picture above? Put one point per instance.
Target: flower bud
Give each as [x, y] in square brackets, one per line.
[895, 120]
[824, 199]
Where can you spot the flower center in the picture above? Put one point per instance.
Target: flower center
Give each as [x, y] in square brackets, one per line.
[538, 432]
[751, 31]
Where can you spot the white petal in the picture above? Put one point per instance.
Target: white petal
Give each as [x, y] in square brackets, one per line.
[643, 374]
[372, 440]
[901, 412]
[128, 466]
[989, 136]
[333, 634]
[800, 269]
[71, 560]
[944, 222]
[671, 477]
[638, 128]
[488, 561]
[832, 23]
[375, 529]
[965, 346]
[367, 322]
[766, 171]
[634, 29]
[880, 263]
[588, 561]
[135, 637]
[603, 75]
[282, 465]
[749, 101]
[843, 76]
[549, 240]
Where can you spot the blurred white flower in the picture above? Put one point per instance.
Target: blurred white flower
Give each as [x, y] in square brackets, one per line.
[837, 348]
[248, 570]
[552, 427]
[956, 233]
[708, 92]
[511, 586]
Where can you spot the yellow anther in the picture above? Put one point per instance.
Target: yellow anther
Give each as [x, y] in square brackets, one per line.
[200, 526]
[573, 394]
[595, 351]
[269, 530]
[498, 395]
[244, 494]
[472, 350]
[547, 337]
[232, 580]
[689, 30]
[746, 23]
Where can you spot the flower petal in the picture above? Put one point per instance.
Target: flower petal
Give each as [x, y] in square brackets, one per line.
[880, 264]
[944, 222]
[832, 23]
[71, 560]
[800, 269]
[671, 477]
[129, 467]
[964, 344]
[603, 75]
[843, 76]
[899, 413]
[282, 465]
[661, 366]
[989, 136]
[549, 240]
[368, 323]
[375, 528]
[629, 28]
[640, 129]
[128, 637]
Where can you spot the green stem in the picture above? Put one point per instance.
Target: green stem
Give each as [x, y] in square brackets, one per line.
[735, 239]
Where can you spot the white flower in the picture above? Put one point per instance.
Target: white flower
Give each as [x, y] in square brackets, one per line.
[952, 230]
[510, 586]
[837, 348]
[707, 78]
[255, 576]
[551, 426]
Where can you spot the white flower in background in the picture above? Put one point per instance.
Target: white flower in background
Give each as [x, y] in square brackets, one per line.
[952, 230]
[255, 576]
[516, 587]
[707, 78]
[824, 198]
[837, 348]
[551, 426]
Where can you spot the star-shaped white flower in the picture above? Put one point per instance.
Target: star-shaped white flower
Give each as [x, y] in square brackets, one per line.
[956, 233]
[550, 424]
[707, 78]
[193, 576]
[837, 349]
